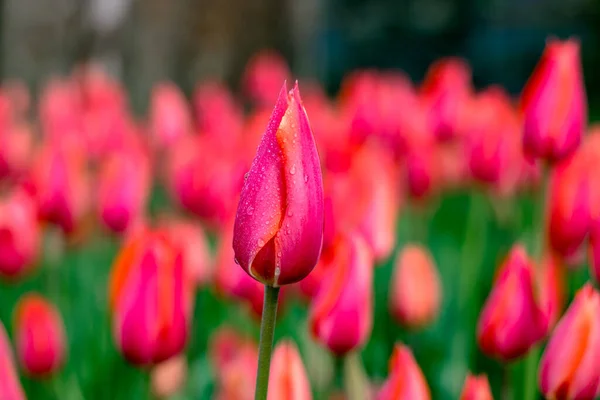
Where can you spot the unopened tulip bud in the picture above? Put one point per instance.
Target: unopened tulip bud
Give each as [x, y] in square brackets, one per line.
[19, 235]
[551, 288]
[263, 75]
[10, 386]
[40, 336]
[170, 116]
[288, 379]
[169, 376]
[151, 297]
[236, 375]
[278, 231]
[405, 380]
[554, 103]
[570, 366]
[477, 387]
[415, 292]
[511, 321]
[341, 317]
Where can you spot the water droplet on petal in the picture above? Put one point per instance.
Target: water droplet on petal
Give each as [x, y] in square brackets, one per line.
[293, 170]
[290, 213]
[305, 178]
[246, 175]
[261, 242]
[235, 260]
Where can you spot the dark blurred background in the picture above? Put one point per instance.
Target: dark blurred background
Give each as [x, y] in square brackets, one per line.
[142, 41]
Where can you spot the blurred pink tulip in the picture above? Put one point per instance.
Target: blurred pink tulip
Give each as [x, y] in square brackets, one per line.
[10, 386]
[123, 189]
[168, 377]
[217, 113]
[570, 366]
[151, 298]
[445, 92]
[554, 103]
[19, 235]
[60, 110]
[477, 387]
[288, 379]
[16, 150]
[405, 380]
[511, 321]
[278, 231]
[415, 291]
[263, 76]
[40, 336]
[551, 288]
[170, 115]
[341, 315]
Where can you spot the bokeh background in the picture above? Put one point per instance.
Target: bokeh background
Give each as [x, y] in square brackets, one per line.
[141, 42]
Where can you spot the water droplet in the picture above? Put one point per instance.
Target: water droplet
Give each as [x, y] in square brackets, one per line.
[235, 260]
[277, 272]
[290, 213]
[305, 178]
[279, 254]
[261, 242]
[246, 175]
[250, 210]
[293, 170]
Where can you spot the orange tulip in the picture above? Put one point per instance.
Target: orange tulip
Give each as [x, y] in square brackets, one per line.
[405, 380]
[288, 379]
[477, 387]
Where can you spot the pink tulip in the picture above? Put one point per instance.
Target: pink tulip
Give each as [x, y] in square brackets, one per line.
[405, 380]
[123, 188]
[278, 231]
[341, 316]
[217, 113]
[511, 321]
[570, 366]
[170, 116]
[10, 386]
[554, 103]
[151, 298]
[288, 379]
[263, 75]
[551, 288]
[19, 235]
[40, 336]
[16, 148]
[477, 387]
[168, 377]
[415, 292]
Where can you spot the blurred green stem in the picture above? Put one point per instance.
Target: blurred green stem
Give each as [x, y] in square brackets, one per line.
[355, 380]
[537, 251]
[267, 329]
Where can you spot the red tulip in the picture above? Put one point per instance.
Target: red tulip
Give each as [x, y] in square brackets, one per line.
[554, 103]
[477, 387]
[445, 92]
[415, 292]
[170, 116]
[60, 180]
[123, 187]
[278, 231]
[511, 321]
[570, 365]
[151, 297]
[288, 380]
[341, 316]
[10, 386]
[19, 235]
[406, 380]
[40, 336]
[264, 73]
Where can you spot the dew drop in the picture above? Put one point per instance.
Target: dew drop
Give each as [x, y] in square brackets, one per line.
[305, 178]
[277, 272]
[290, 213]
[235, 260]
[261, 242]
[246, 175]
[293, 170]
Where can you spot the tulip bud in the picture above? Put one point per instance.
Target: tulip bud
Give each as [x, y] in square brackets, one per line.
[217, 112]
[405, 380]
[554, 103]
[40, 336]
[16, 147]
[264, 73]
[170, 117]
[415, 292]
[477, 387]
[169, 376]
[341, 316]
[278, 231]
[19, 235]
[288, 379]
[10, 386]
[151, 297]
[232, 281]
[570, 366]
[511, 321]
[124, 185]
[551, 288]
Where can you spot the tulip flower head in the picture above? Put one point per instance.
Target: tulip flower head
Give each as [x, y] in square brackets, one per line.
[554, 103]
[151, 298]
[570, 366]
[477, 387]
[405, 380]
[40, 336]
[415, 293]
[288, 380]
[10, 386]
[278, 230]
[511, 321]
[341, 316]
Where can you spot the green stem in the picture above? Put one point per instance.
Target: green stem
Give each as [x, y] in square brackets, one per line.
[538, 248]
[355, 381]
[267, 329]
